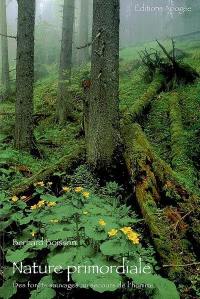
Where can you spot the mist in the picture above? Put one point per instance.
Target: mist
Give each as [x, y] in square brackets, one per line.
[141, 21]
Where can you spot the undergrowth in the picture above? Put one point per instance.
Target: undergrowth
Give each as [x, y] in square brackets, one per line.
[81, 227]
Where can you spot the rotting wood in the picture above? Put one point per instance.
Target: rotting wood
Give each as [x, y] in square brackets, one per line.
[159, 191]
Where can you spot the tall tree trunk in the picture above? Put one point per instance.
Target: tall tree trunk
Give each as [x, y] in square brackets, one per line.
[64, 102]
[25, 76]
[83, 32]
[103, 130]
[4, 48]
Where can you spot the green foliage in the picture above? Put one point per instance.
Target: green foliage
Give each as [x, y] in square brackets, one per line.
[45, 290]
[80, 223]
[180, 160]
[102, 283]
[163, 288]
[135, 111]
[74, 220]
[8, 289]
[83, 177]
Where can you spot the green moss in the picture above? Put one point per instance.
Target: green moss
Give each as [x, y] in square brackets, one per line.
[180, 160]
[135, 111]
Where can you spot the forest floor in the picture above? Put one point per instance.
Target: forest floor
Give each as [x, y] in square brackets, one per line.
[77, 204]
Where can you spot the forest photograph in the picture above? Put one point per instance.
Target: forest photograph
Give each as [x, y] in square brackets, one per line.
[99, 149]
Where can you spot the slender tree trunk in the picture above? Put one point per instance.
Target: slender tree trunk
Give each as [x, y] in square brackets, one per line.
[103, 130]
[83, 32]
[64, 102]
[25, 76]
[4, 48]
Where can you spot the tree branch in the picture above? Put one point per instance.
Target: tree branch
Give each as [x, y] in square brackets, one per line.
[12, 70]
[90, 43]
[182, 265]
[9, 36]
[85, 46]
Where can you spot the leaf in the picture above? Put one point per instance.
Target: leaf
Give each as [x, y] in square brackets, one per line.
[49, 197]
[99, 282]
[127, 221]
[5, 224]
[93, 233]
[64, 211]
[61, 235]
[8, 289]
[82, 253]
[97, 232]
[116, 247]
[46, 292]
[163, 288]
[26, 220]
[63, 258]
[21, 204]
[5, 210]
[17, 255]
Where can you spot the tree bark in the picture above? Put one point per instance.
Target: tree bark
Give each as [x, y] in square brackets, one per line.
[4, 48]
[64, 100]
[103, 129]
[83, 32]
[25, 76]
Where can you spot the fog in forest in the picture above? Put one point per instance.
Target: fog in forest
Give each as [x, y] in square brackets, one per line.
[140, 21]
[99, 149]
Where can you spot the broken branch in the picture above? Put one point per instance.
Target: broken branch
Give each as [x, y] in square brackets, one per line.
[9, 36]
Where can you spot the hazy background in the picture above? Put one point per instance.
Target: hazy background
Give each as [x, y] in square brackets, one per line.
[135, 27]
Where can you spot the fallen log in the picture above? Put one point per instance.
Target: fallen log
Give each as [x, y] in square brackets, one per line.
[180, 160]
[130, 114]
[168, 207]
[175, 190]
[64, 164]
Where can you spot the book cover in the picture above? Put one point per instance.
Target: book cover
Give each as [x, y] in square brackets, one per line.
[99, 149]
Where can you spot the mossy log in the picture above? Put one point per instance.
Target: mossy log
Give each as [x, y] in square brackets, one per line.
[132, 113]
[66, 163]
[180, 160]
[168, 207]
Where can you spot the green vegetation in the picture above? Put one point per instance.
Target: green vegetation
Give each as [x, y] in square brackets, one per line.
[71, 204]
[93, 225]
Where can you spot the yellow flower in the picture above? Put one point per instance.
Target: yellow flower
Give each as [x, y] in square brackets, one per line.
[78, 189]
[134, 238]
[51, 204]
[102, 222]
[15, 198]
[85, 213]
[49, 183]
[34, 207]
[41, 203]
[41, 184]
[54, 221]
[66, 189]
[126, 229]
[86, 194]
[33, 234]
[112, 232]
